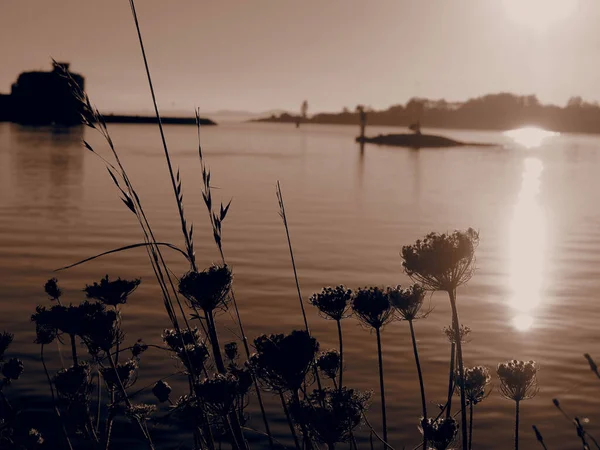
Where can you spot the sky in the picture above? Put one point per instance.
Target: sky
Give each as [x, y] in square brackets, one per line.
[258, 55]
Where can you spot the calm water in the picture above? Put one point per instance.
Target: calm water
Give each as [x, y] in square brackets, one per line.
[534, 295]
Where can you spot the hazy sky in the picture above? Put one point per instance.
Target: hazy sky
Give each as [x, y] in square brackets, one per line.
[262, 54]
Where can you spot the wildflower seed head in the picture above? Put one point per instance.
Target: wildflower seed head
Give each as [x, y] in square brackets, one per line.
[161, 391]
[281, 362]
[140, 412]
[407, 302]
[75, 383]
[464, 334]
[221, 394]
[194, 357]
[52, 289]
[127, 373]
[100, 328]
[518, 379]
[330, 415]
[207, 290]
[138, 348]
[442, 262]
[5, 340]
[440, 433]
[231, 351]
[177, 340]
[45, 326]
[12, 369]
[329, 363]
[112, 293]
[372, 307]
[332, 303]
[476, 381]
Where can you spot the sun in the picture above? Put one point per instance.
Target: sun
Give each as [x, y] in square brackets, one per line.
[539, 15]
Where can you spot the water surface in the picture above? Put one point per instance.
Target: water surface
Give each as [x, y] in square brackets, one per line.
[350, 211]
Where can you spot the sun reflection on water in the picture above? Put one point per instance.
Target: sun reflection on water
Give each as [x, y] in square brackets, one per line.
[529, 137]
[527, 246]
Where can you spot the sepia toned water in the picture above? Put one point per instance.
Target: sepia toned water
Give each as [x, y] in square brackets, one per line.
[534, 295]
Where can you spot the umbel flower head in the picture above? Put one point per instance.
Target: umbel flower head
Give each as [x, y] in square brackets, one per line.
[332, 303]
[209, 289]
[12, 369]
[372, 307]
[330, 415]
[329, 363]
[75, 383]
[463, 331]
[407, 302]
[127, 374]
[518, 379]
[189, 348]
[99, 328]
[221, 394]
[440, 433]
[52, 289]
[476, 381]
[112, 293]
[442, 262]
[281, 362]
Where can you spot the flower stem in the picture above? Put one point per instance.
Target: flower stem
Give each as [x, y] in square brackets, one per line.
[420, 373]
[517, 426]
[339, 326]
[381, 385]
[451, 380]
[62, 424]
[74, 350]
[289, 419]
[470, 426]
[461, 370]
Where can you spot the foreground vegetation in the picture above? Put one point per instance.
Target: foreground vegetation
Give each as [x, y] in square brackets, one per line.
[97, 385]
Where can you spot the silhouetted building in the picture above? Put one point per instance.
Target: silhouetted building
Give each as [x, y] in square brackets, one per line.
[42, 98]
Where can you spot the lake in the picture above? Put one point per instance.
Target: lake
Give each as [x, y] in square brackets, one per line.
[534, 295]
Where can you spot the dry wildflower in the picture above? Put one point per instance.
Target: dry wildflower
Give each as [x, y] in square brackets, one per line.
[34, 438]
[45, 326]
[12, 369]
[52, 289]
[161, 391]
[407, 302]
[518, 380]
[231, 351]
[75, 383]
[221, 394]
[464, 333]
[330, 415]
[329, 363]
[442, 261]
[126, 371]
[207, 290]
[112, 293]
[141, 412]
[440, 433]
[332, 303]
[476, 381]
[100, 329]
[372, 307]
[281, 362]
[138, 348]
[177, 340]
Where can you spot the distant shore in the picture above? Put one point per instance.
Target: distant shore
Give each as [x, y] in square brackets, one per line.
[114, 118]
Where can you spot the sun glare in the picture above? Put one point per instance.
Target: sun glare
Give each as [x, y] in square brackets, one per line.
[529, 137]
[539, 15]
[527, 246]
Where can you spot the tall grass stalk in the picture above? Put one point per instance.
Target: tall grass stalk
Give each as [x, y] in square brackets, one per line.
[216, 221]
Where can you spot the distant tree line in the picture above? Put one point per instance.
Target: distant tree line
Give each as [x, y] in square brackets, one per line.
[491, 112]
